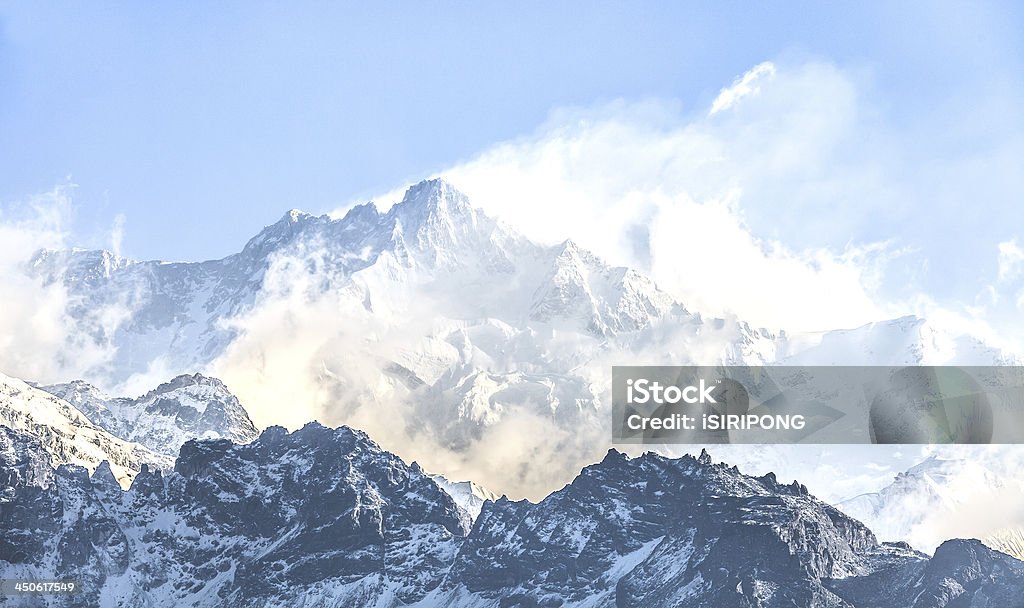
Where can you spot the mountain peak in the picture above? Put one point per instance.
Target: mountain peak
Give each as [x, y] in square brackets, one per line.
[295, 215]
[189, 380]
[704, 457]
[614, 456]
[432, 198]
[290, 219]
[187, 406]
[436, 219]
[434, 189]
[365, 212]
[103, 477]
[281, 231]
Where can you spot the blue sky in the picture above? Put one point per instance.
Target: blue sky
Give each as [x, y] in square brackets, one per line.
[876, 161]
[222, 118]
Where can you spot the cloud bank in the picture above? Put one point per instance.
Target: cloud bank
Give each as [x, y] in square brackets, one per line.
[796, 199]
[674, 194]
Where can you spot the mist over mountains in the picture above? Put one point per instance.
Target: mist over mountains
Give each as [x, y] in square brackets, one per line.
[456, 343]
[324, 517]
[325, 305]
[492, 350]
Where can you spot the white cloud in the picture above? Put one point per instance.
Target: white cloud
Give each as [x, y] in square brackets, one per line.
[308, 353]
[995, 312]
[117, 233]
[707, 256]
[1011, 260]
[742, 87]
[644, 186]
[801, 207]
[841, 202]
[39, 340]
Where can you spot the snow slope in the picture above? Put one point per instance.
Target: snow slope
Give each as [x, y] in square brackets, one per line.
[67, 435]
[468, 495]
[187, 407]
[439, 330]
[924, 504]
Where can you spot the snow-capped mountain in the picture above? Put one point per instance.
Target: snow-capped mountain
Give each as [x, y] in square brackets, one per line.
[444, 317]
[433, 237]
[323, 517]
[903, 341]
[187, 407]
[439, 330]
[924, 503]
[468, 495]
[63, 435]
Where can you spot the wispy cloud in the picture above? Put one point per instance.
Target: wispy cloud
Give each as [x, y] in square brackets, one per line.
[742, 87]
[39, 339]
[684, 197]
[793, 200]
[117, 233]
[1011, 260]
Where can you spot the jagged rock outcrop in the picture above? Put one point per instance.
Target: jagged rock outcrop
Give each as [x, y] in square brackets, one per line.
[323, 517]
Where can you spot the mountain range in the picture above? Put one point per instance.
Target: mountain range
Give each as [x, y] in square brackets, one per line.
[927, 501]
[323, 517]
[463, 347]
[440, 318]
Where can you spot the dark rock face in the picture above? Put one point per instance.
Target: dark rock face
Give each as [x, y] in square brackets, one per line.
[967, 573]
[961, 574]
[25, 462]
[241, 526]
[324, 517]
[693, 532]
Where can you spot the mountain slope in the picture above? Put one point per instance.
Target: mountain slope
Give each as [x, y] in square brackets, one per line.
[316, 517]
[659, 532]
[67, 435]
[925, 502]
[437, 316]
[186, 407]
[324, 517]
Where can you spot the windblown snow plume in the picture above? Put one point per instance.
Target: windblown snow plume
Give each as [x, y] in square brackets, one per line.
[42, 335]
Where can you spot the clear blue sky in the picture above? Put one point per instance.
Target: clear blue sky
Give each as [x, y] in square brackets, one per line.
[220, 117]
